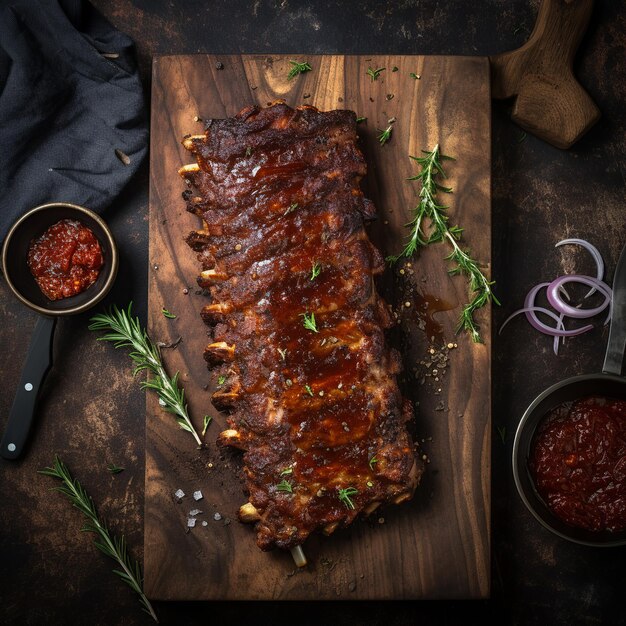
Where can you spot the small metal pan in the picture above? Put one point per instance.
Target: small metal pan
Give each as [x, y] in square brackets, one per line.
[610, 383]
[21, 282]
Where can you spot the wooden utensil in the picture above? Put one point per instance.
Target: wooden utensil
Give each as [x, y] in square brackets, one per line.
[549, 102]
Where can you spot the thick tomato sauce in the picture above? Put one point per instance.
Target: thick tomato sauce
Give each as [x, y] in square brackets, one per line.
[578, 463]
[65, 260]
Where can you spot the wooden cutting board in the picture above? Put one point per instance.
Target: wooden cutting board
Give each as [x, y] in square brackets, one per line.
[438, 545]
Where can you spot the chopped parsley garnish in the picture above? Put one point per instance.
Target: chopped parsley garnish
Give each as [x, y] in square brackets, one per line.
[345, 496]
[205, 425]
[298, 68]
[309, 321]
[374, 74]
[316, 268]
[284, 485]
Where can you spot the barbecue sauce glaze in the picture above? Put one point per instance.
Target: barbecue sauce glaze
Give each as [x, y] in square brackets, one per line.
[578, 463]
[65, 260]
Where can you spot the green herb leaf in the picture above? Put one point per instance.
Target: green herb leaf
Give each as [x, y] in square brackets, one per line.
[308, 390]
[372, 462]
[113, 547]
[166, 313]
[291, 209]
[415, 76]
[287, 471]
[114, 469]
[385, 135]
[345, 496]
[283, 353]
[298, 68]
[361, 119]
[309, 321]
[316, 268]
[125, 331]
[205, 424]
[394, 68]
[374, 74]
[284, 485]
[221, 380]
[480, 287]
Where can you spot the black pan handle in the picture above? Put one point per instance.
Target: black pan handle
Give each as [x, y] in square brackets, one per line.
[38, 364]
[614, 359]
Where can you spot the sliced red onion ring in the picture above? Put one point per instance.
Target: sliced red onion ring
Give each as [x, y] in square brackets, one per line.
[543, 328]
[595, 253]
[529, 302]
[555, 343]
[555, 300]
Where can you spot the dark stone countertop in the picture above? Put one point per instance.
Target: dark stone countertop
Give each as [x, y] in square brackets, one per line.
[51, 573]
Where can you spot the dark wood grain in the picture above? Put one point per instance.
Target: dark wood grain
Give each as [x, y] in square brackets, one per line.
[549, 101]
[438, 545]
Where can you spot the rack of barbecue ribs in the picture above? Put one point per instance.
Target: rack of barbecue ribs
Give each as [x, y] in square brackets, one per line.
[296, 324]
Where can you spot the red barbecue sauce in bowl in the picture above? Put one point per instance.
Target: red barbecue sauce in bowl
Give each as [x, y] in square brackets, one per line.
[65, 260]
[578, 463]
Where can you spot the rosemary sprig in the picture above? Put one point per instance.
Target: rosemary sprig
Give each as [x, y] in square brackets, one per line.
[480, 287]
[385, 135]
[110, 545]
[309, 390]
[316, 268]
[372, 462]
[345, 496]
[309, 321]
[361, 119]
[114, 469]
[124, 330]
[374, 74]
[298, 68]
[168, 314]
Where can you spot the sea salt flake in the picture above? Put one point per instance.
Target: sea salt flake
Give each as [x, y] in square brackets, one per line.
[217, 517]
[197, 495]
[179, 493]
[191, 522]
[195, 512]
[205, 523]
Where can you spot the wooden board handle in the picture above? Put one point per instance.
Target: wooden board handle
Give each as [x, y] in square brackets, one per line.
[550, 103]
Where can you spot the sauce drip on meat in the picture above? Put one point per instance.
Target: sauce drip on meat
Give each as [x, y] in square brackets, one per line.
[65, 260]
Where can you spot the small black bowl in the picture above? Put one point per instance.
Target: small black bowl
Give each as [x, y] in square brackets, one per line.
[570, 390]
[23, 285]
[15, 258]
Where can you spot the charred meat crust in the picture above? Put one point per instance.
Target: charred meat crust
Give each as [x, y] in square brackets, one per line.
[317, 411]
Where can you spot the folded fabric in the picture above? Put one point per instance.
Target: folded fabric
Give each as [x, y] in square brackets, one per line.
[72, 119]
